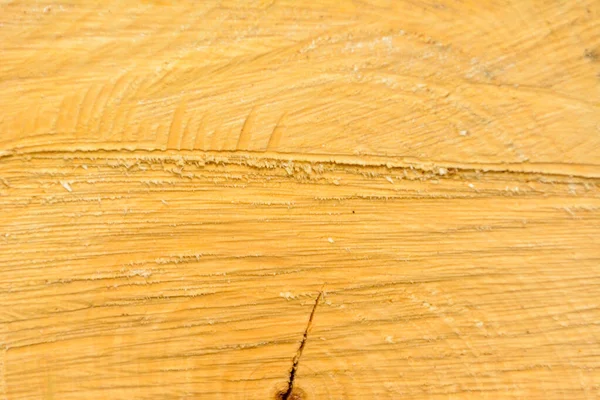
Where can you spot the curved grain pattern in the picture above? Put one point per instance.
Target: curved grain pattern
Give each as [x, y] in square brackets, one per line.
[514, 84]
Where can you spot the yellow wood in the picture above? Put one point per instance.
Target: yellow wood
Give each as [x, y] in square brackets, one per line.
[183, 183]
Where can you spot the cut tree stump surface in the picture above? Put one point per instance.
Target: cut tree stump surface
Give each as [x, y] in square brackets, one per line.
[300, 200]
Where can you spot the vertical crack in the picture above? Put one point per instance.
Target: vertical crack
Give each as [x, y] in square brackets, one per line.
[287, 395]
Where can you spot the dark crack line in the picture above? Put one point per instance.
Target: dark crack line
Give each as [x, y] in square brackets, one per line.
[296, 361]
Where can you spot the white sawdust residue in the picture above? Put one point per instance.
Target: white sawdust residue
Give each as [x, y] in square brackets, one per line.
[287, 295]
[140, 272]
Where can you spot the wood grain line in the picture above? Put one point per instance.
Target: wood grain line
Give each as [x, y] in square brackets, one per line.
[246, 132]
[176, 131]
[277, 134]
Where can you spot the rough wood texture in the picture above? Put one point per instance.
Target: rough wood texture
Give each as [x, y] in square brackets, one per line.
[184, 184]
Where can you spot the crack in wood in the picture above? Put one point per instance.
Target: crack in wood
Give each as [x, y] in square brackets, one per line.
[288, 394]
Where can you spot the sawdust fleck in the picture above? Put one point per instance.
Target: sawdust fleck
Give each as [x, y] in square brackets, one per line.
[66, 185]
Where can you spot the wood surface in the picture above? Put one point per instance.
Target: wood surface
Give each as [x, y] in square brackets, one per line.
[300, 199]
